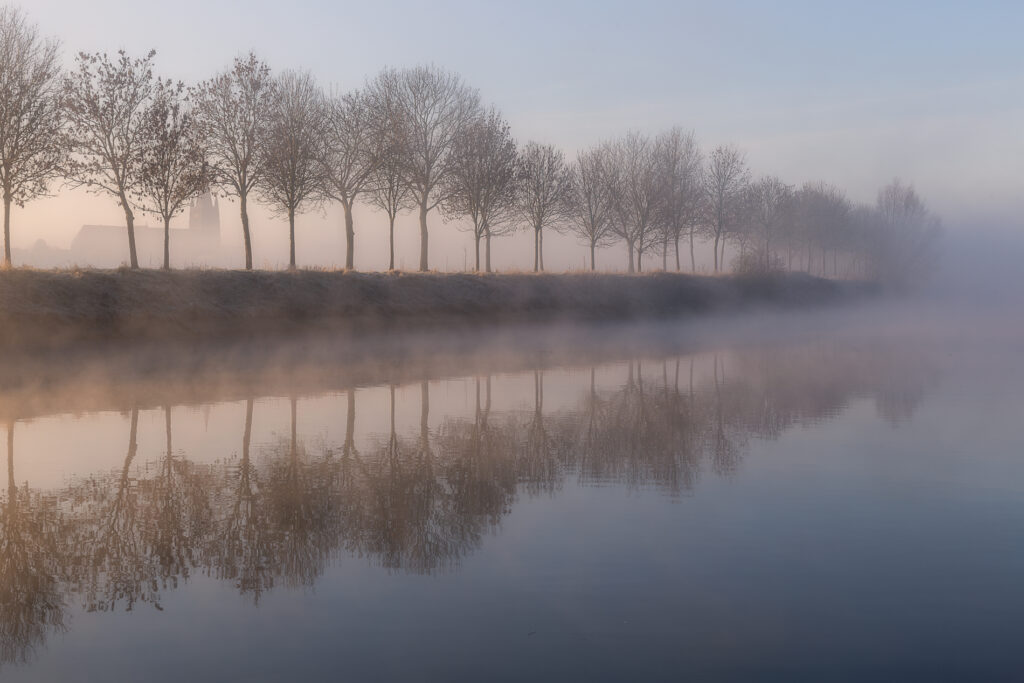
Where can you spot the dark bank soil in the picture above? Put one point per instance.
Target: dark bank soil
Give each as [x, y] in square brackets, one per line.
[51, 308]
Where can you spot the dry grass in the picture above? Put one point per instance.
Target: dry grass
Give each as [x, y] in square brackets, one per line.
[38, 305]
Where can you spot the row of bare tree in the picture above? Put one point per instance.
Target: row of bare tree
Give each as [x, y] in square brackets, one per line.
[411, 139]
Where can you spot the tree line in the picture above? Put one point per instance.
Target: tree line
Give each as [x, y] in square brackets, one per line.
[415, 139]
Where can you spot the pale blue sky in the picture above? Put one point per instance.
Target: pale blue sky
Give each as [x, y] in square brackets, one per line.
[854, 93]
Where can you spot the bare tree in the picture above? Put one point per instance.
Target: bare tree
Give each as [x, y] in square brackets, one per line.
[430, 109]
[822, 215]
[172, 170]
[106, 103]
[386, 187]
[593, 201]
[482, 185]
[545, 194]
[679, 163]
[637, 193]
[905, 236]
[770, 202]
[232, 113]
[352, 153]
[293, 177]
[725, 181]
[31, 146]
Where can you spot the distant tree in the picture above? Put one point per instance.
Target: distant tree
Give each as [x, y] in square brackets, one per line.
[232, 112]
[32, 150]
[904, 246]
[770, 210]
[823, 213]
[173, 159]
[482, 185]
[724, 182]
[679, 166]
[592, 199]
[352, 156]
[106, 102]
[545, 194]
[431, 108]
[637, 193]
[293, 176]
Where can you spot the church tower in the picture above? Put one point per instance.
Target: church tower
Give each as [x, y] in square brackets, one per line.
[204, 215]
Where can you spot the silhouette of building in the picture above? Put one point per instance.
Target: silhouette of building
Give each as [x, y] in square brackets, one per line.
[204, 215]
[106, 246]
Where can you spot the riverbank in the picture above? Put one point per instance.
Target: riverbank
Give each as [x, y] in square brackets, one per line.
[62, 307]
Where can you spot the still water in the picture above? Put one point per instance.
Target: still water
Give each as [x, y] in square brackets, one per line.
[839, 499]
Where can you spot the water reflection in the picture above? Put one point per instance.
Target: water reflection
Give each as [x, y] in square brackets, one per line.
[409, 500]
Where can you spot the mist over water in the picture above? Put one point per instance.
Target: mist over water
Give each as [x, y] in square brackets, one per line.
[826, 496]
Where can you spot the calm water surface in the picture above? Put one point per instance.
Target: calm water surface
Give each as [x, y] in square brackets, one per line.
[838, 502]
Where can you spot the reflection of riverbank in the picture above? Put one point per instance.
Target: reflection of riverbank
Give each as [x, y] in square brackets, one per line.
[119, 377]
[415, 496]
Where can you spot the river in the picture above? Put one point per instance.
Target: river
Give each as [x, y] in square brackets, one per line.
[819, 497]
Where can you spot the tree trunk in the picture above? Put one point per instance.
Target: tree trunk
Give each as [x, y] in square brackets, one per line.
[243, 199]
[693, 259]
[721, 261]
[629, 249]
[536, 249]
[715, 252]
[7, 232]
[487, 248]
[423, 235]
[593, 266]
[167, 243]
[678, 267]
[541, 249]
[476, 249]
[350, 237]
[291, 238]
[664, 254]
[391, 242]
[639, 261]
[129, 217]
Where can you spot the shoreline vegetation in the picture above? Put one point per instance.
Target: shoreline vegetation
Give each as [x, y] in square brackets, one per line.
[59, 308]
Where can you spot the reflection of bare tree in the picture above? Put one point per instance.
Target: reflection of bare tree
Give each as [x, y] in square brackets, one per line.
[417, 501]
[299, 511]
[119, 568]
[31, 600]
[410, 520]
[538, 465]
[725, 451]
[479, 468]
[242, 544]
[177, 513]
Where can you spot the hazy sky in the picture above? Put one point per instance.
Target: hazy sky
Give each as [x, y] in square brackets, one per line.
[854, 93]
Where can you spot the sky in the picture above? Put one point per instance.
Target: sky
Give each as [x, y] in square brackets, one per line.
[853, 93]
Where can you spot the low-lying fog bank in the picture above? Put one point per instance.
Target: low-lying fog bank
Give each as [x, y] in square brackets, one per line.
[115, 375]
[60, 307]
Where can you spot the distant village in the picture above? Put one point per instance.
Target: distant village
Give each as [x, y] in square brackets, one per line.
[104, 246]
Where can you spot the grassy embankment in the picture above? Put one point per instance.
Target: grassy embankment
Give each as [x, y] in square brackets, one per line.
[58, 307]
